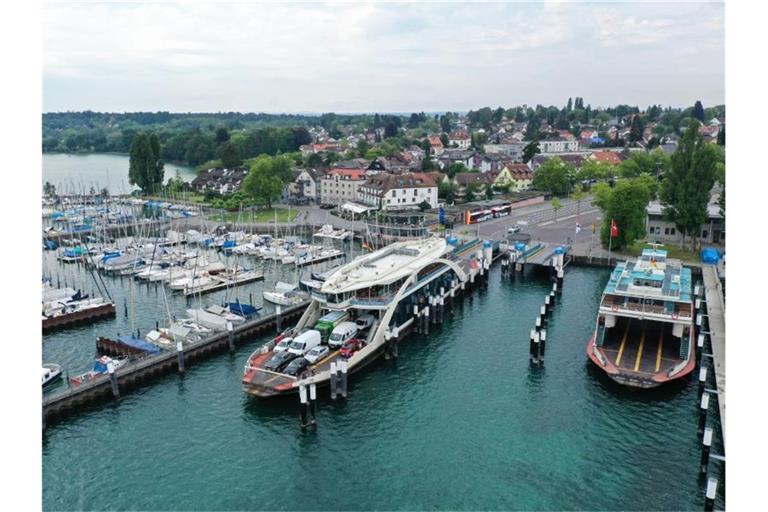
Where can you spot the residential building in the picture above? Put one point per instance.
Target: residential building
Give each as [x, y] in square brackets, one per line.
[492, 162]
[399, 191]
[436, 144]
[451, 156]
[304, 186]
[511, 149]
[341, 185]
[558, 145]
[460, 140]
[462, 180]
[606, 157]
[223, 181]
[660, 230]
[518, 175]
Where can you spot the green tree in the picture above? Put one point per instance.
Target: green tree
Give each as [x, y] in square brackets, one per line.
[686, 188]
[721, 136]
[455, 168]
[625, 204]
[49, 189]
[444, 140]
[552, 176]
[446, 190]
[362, 147]
[222, 135]
[267, 178]
[557, 205]
[229, 156]
[145, 168]
[471, 192]
[530, 150]
[636, 128]
[488, 191]
[698, 111]
[578, 195]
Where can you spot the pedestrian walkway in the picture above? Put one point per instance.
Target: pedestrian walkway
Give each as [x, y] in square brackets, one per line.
[713, 292]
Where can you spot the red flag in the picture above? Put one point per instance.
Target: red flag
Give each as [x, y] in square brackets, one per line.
[614, 229]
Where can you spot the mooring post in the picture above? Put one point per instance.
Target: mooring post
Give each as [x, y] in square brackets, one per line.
[547, 303]
[705, 448]
[560, 276]
[138, 333]
[702, 381]
[703, 412]
[552, 299]
[416, 318]
[393, 339]
[344, 378]
[278, 320]
[543, 311]
[231, 337]
[542, 343]
[180, 356]
[533, 347]
[125, 307]
[538, 325]
[426, 320]
[313, 402]
[709, 501]
[333, 380]
[699, 348]
[157, 326]
[113, 380]
[303, 406]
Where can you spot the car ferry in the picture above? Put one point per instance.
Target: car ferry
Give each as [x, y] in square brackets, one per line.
[385, 290]
[643, 336]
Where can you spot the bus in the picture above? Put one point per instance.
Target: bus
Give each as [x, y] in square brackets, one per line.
[501, 211]
[471, 217]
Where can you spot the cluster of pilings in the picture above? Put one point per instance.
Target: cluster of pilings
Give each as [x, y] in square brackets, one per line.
[703, 361]
[538, 341]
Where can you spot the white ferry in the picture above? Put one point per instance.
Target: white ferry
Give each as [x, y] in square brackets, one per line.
[644, 331]
[369, 303]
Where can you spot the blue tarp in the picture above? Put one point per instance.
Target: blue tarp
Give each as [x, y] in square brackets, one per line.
[710, 255]
[245, 310]
[139, 344]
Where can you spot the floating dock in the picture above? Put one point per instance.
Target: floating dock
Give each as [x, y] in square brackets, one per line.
[142, 371]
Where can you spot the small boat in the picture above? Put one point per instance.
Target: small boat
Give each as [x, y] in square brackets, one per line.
[100, 367]
[285, 294]
[51, 372]
[244, 310]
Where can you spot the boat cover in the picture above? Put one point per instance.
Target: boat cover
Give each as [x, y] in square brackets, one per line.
[134, 342]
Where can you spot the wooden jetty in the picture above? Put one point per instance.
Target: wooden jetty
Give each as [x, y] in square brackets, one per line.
[143, 371]
[79, 317]
[713, 293]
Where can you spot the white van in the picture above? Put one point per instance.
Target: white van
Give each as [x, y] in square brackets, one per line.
[364, 322]
[305, 342]
[342, 333]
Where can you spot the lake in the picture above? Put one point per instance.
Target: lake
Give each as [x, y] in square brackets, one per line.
[78, 173]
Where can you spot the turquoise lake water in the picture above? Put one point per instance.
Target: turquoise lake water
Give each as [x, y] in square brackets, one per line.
[78, 173]
[460, 421]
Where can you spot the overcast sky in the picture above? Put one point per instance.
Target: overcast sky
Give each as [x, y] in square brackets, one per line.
[379, 57]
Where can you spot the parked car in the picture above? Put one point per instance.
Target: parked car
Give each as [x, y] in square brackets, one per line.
[279, 361]
[317, 354]
[513, 230]
[326, 206]
[363, 322]
[296, 366]
[350, 347]
[283, 345]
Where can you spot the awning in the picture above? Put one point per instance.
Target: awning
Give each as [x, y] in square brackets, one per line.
[356, 208]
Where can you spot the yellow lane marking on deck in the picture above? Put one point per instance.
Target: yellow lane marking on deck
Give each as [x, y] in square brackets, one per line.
[658, 351]
[640, 351]
[623, 342]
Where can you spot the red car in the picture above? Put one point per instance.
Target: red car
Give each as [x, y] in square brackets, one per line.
[350, 347]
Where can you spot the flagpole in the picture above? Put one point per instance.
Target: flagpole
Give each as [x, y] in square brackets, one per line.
[610, 241]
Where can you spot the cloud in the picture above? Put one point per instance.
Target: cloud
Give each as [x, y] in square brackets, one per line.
[367, 56]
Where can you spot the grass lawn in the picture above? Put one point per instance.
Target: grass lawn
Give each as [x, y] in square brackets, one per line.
[258, 217]
[673, 251]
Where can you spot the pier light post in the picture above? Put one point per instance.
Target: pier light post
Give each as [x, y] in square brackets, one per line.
[278, 319]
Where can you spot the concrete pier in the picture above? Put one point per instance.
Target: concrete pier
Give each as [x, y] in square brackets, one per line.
[713, 292]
